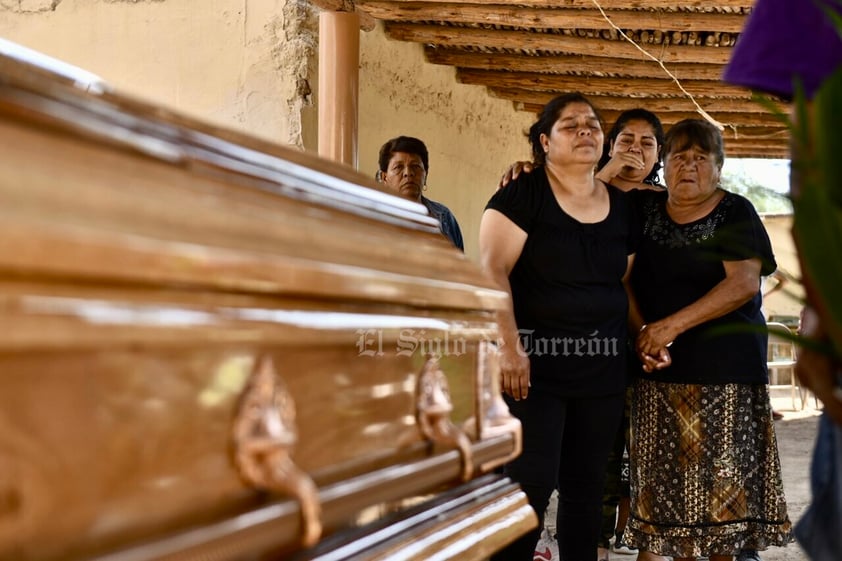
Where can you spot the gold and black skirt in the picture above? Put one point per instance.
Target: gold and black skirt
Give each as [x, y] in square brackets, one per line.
[705, 473]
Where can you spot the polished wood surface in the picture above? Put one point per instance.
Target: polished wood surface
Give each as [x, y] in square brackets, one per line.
[154, 272]
[160, 223]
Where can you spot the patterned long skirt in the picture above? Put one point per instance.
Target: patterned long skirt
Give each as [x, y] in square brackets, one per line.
[705, 472]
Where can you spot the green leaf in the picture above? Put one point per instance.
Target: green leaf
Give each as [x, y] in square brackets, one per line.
[834, 16]
[817, 224]
[828, 141]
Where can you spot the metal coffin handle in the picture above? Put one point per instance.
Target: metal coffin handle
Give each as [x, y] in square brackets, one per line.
[432, 414]
[494, 418]
[264, 433]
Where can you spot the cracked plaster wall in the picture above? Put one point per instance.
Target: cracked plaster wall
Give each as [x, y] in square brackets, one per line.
[29, 6]
[238, 63]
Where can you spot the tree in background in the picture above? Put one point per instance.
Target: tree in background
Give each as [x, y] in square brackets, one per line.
[764, 199]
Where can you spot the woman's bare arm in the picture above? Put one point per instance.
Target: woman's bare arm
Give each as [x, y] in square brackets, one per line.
[741, 283]
[500, 244]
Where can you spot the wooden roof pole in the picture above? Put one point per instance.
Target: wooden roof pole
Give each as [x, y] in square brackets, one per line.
[339, 62]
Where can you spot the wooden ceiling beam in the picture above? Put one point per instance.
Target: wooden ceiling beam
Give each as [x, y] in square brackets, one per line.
[367, 23]
[757, 150]
[776, 138]
[672, 5]
[552, 18]
[736, 119]
[754, 149]
[596, 84]
[759, 144]
[579, 51]
[555, 43]
[655, 104]
[777, 154]
[753, 139]
[757, 134]
[737, 125]
[756, 154]
[570, 63]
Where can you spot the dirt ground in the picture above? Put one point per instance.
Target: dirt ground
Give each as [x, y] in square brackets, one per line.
[796, 434]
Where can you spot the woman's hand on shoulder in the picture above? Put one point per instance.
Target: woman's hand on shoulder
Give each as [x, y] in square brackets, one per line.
[514, 371]
[514, 171]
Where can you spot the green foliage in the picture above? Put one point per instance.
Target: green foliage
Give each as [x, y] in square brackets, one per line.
[765, 200]
[817, 224]
[834, 16]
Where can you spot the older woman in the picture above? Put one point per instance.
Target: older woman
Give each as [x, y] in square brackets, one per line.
[705, 475]
[561, 242]
[404, 163]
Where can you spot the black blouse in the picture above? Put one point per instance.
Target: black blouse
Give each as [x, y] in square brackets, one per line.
[676, 264]
[569, 302]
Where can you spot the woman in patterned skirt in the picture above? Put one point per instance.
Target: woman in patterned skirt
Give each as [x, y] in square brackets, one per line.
[705, 472]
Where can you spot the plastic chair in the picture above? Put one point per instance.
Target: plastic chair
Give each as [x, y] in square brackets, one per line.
[780, 359]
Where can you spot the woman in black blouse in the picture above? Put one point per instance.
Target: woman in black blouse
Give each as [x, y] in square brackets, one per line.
[706, 476]
[561, 242]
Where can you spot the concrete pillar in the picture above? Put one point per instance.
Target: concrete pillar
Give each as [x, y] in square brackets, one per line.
[339, 65]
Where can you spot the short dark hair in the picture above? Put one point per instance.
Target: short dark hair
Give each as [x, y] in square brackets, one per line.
[407, 144]
[547, 118]
[637, 114]
[695, 132]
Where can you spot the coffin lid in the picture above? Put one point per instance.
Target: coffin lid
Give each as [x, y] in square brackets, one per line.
[165, 198]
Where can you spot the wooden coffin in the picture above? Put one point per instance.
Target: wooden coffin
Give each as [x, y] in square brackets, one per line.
[218, 348]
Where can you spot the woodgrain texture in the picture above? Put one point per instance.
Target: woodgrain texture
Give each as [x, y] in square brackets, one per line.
[148, 264]
[631, 49]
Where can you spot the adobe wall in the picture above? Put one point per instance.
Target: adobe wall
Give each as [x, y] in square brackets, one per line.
[244, 64]
[788, 301]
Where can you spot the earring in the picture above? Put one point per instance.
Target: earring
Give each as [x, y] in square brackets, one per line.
[424, 188]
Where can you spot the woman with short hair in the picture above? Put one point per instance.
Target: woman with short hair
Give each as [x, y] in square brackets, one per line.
[705, 472]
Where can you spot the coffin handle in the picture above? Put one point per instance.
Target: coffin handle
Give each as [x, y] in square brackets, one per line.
[493, 416]
[432, 414]
[264, 433]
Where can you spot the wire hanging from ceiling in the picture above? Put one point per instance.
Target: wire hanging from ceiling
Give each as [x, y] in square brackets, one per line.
[701, 111]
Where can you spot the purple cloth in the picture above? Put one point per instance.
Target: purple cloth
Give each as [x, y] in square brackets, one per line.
[784, 39]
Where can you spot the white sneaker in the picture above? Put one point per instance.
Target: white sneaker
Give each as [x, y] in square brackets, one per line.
[622, 548]
[547, 548]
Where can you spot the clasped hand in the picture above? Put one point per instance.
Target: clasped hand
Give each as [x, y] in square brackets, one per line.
[652, 346]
